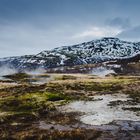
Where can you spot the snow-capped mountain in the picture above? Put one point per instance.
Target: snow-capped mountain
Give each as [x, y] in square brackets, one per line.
[96, 51]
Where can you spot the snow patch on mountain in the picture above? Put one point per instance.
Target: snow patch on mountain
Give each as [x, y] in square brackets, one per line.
[95, 51]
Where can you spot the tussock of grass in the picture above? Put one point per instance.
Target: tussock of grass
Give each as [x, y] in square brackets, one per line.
[30, 102]
[134, 94]
[17, 76]
[87, 86]
[65, 77]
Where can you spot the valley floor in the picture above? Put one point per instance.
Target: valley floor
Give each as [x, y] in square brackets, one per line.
[70, 107]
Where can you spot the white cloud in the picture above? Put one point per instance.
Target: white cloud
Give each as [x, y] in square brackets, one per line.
[97, 32]
[23, 39]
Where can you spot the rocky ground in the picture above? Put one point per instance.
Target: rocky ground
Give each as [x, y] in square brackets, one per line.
[35, 107]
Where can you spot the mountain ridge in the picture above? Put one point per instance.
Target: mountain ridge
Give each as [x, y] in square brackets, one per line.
[95, 51]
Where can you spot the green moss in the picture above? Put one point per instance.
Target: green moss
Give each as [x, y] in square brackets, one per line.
[31, 102]
[18, 105]
[55, 97]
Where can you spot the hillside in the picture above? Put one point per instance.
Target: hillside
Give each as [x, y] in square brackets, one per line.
[95, 51]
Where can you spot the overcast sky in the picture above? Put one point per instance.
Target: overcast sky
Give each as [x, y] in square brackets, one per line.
[31, 26]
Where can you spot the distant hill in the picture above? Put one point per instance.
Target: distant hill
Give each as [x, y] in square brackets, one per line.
[95, 51]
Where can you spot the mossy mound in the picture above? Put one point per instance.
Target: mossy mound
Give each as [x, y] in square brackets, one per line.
[19, 77]
[29, 101]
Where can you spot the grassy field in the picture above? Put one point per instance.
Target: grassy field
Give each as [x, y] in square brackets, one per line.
[24, 105]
